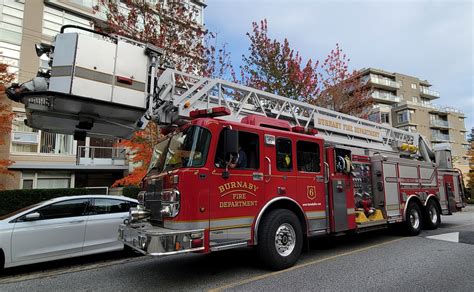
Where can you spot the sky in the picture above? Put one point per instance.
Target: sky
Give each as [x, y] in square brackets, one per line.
[431, 40]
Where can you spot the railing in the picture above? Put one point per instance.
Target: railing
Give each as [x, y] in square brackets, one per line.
[439, 137]
[439, 108]
[94, 155]
[385, 82]
[385, 96]
[429, 92]
[439, 123]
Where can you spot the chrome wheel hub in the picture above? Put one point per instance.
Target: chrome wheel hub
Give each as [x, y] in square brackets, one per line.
[285, 239]
[414, 219]
[433, 214]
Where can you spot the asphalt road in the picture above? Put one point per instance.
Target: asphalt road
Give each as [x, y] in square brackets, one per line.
[437, 260]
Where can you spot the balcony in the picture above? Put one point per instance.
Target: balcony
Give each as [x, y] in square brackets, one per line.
[385, 96]
[93, 155]
[439, 123]
[436, 108]
[386, 83]
[425, 92]
[438, 137]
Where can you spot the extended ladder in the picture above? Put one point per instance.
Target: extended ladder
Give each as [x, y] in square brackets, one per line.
[180, 93]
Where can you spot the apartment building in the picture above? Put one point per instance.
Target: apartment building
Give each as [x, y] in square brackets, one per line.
[49, 160]
[406, 102]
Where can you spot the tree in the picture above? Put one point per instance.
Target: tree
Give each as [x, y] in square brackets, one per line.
[187, 46]
[277, 68]
[343, 91]
[6, 115]
[274, 67]
[470, 175]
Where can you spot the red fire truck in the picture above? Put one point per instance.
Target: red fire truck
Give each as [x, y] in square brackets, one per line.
[237, 166]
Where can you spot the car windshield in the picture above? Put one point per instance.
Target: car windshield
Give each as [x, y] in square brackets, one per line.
[3, 217]
[187, 148]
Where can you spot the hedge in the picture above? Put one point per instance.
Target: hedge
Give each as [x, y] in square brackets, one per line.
[17, 199]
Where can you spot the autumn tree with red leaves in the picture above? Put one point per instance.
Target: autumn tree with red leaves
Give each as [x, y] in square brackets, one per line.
[187, 46]
[277, 68]
[6, 115]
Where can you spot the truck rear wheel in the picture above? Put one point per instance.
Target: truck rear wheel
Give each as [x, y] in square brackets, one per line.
[432, 215]
[413, 219]
[280, 239]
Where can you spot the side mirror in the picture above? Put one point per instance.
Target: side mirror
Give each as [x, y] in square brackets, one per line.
[32, 216]
[231, 142]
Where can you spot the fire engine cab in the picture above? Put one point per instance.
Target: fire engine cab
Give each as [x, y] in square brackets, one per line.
[237, 166]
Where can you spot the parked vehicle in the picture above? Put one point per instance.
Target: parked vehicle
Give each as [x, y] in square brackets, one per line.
[62, 228]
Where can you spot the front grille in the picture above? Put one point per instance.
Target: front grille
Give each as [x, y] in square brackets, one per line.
[153, 201]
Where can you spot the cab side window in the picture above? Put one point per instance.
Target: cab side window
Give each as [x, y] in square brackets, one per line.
[284, 159]
[308, 156]
[248, 156]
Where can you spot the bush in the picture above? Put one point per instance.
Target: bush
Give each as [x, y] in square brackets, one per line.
[17, 199]
[131, 191]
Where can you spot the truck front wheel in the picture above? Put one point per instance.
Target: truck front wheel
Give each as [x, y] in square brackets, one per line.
[280, 239]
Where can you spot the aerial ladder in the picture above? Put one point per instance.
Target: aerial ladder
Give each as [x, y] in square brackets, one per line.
[109, 85]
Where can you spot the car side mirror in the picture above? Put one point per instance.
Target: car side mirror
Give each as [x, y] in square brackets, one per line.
[32, 216]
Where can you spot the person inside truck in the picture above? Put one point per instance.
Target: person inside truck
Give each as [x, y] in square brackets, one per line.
[240, 160]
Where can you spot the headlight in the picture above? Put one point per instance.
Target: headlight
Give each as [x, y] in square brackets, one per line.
[170, 203]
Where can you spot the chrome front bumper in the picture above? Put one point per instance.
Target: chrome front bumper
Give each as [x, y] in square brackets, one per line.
[159, 241]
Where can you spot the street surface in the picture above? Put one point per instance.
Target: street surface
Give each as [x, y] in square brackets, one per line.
[437, 260]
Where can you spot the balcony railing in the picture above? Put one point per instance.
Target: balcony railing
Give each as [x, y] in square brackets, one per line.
[385, 82]
[93, 155]
[440, 137]
[426, 91]
[439, 123]
[438, 108]
[385, 96]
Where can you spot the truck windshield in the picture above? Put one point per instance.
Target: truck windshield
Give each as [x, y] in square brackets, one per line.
[187, 148]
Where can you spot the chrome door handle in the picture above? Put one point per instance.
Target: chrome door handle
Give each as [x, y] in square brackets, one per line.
[269, 169]
[77, 221]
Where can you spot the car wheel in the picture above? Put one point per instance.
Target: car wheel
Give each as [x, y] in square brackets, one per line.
[2, 260]
[413, 219]
[280, 239]
[432, 215]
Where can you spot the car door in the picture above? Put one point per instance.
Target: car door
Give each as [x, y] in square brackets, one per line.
[102, 225]
[58, 233]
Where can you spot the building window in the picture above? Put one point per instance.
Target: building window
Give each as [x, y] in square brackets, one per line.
[54, 18]
[47, 180]
[415, 99]
[28, 140]
[385, 118]
[404, 116]
[413, 86]
[308, 156]
[284, 159]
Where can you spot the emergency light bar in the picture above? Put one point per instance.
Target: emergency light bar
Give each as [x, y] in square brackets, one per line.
[303, 130]
[211, 112]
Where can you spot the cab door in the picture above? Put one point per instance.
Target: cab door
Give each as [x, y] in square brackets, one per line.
[310, 182]
[236, 195]
[280, 165]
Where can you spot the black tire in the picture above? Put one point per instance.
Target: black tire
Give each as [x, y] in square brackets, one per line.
[289, 230]
[432, 216]
[413, 219]
[2, 260]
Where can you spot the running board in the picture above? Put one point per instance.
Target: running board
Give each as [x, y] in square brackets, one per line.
[229, 246]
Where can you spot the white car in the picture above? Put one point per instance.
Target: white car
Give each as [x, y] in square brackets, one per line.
[62, 228]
